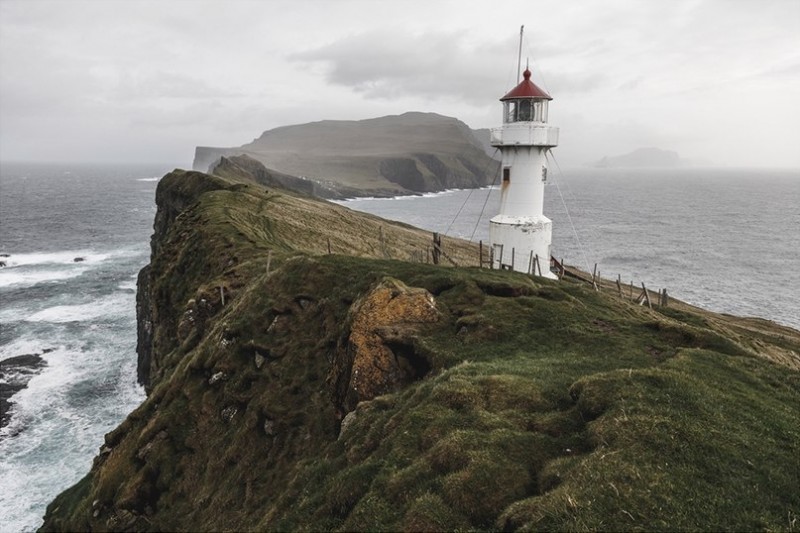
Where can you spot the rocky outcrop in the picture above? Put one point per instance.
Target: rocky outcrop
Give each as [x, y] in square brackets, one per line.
[382, 352]
[157, 295]
[144, 327]
[15, 373]
[245, 167]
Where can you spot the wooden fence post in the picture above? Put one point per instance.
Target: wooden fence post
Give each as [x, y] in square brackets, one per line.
[437, 248]
[619, 284]
[480, 254]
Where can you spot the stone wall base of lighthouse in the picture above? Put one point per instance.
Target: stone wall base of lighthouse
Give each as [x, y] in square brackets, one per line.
[517, 241]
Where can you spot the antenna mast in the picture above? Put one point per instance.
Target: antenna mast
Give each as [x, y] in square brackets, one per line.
[519, 57]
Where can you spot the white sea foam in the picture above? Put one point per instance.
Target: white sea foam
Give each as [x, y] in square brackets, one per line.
[61, 416]
[48, 258]
[27, 278]
[22, 346]
[106, 307]
[129, 285]
[156, 178]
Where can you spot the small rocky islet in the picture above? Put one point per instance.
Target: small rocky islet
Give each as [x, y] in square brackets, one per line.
[15, 373]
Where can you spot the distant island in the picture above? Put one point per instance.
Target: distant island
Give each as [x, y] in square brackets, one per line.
[647, 157]
[393, 155]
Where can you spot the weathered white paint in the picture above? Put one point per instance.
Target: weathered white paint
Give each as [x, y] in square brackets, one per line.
[521, 225]
[527, 236]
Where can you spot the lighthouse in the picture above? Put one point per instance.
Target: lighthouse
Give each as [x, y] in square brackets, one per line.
[520, 234]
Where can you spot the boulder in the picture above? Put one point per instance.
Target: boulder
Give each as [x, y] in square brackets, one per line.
[381, 353]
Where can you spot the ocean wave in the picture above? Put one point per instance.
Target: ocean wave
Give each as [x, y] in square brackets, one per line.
[108, 306]
[66, 257]
[34, 277]
[63, 413]
[156, 178]
[129, 285]
[23, 346]
[411, 196]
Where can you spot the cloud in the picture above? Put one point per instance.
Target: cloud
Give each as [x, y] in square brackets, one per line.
[390, 65]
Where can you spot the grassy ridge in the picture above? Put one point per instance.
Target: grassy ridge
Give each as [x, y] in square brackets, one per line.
[547, 405]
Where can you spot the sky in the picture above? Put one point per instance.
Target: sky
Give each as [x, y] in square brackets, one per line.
[144, 81]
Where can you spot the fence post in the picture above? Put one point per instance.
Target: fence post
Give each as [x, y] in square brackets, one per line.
[619, 284]
[480, 254]
[646, 296]
[437, 243]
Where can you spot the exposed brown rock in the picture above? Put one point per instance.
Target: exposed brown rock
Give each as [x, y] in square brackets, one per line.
[380, 354]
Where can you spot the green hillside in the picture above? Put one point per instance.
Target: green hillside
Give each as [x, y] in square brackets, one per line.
[367, 390]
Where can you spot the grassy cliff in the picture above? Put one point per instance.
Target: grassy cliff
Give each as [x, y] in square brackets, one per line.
[365, 390]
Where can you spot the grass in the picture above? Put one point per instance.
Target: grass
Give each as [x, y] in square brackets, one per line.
[547, 405]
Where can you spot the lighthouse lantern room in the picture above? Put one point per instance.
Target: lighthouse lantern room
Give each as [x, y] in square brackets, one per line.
[520, 233]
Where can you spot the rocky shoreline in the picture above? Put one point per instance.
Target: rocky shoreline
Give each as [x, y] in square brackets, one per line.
[15, 373]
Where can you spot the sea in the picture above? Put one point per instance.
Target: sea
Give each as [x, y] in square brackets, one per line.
[73, 237]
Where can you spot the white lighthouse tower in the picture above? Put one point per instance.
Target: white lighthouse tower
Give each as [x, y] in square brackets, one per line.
[520, 233]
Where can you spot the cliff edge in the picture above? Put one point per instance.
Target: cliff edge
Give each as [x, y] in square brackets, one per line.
[307, 370]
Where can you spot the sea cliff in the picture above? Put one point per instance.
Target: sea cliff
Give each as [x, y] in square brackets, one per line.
[395, 155]
[306, 368]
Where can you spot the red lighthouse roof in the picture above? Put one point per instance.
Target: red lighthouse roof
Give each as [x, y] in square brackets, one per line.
[526, 89]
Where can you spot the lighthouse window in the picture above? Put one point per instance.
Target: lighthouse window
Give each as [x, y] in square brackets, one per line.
[544, 173]
[506, 175]
[525, 111]
[511, 112]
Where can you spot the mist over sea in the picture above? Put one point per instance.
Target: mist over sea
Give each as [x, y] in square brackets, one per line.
[726, 240]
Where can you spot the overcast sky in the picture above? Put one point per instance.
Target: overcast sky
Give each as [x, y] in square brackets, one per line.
[127, 81]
